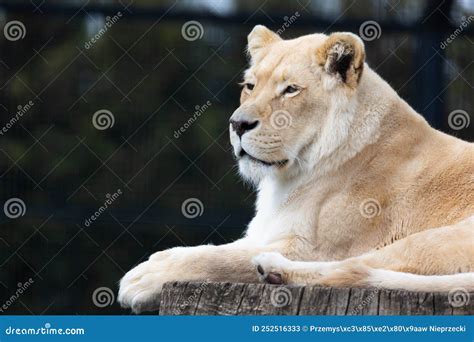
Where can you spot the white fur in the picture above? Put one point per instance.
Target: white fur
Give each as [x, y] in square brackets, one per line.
[277, 263]
[342, 137]
[414, 282]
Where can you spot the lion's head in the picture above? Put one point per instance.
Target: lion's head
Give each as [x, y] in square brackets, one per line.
[293, 105]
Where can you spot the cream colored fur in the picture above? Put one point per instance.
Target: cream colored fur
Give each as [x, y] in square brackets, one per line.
[366, 193]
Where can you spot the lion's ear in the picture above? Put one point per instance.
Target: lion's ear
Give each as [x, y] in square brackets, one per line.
[342, 55]
[259, 38]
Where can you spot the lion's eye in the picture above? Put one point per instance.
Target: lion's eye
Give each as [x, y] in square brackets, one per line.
[249, 86]
[291, 89]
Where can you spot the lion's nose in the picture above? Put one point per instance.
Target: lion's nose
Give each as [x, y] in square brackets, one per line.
[240, 127]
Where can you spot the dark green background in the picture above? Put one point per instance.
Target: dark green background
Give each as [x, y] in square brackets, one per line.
[151, 79]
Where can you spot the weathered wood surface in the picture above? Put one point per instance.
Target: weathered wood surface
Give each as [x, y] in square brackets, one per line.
[261, 299]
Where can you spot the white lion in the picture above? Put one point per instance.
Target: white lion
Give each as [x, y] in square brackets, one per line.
[352, 182]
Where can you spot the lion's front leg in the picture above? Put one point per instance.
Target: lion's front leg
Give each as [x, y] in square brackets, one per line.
[419, 262]
[274, 268]
[140, 288]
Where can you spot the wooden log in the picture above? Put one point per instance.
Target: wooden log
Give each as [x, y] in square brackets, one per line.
[183, 298]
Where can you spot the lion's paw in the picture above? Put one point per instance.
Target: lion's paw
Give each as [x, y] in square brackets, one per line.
[141, 287]
[272, 267]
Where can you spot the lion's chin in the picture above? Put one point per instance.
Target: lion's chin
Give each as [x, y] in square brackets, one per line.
[254, 171]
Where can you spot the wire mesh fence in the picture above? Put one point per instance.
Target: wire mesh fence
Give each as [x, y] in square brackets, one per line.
[114, 124]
